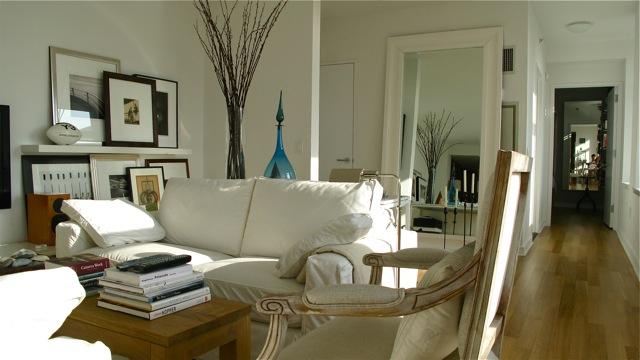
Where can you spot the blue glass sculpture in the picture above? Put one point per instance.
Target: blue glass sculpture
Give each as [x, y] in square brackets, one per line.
[452, 198]
[279, 167]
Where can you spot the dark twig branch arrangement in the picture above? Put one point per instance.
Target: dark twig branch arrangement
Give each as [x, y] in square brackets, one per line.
[432, 134]
[235, 60]
[235, 64]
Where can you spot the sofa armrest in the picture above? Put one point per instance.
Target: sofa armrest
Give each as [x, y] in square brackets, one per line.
[71, 239]
[355, 251]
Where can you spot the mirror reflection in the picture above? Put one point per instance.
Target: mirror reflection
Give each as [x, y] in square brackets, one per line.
[584, 139]
[442, 107]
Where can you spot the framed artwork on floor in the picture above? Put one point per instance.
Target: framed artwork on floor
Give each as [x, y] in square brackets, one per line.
[147, 186]
[166, 110]
[172, 168]
[109, 176]
[77, 91]
[46, 174]
[129, 111]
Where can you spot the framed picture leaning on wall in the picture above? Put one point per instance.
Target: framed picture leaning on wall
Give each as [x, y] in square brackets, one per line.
[147, 186]
[166, 106]
[77, 91]
[109, 176]
[172, 168]
[129, 111]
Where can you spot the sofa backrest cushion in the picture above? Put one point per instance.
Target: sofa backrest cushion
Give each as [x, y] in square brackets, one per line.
[206, 213]
[285, 212]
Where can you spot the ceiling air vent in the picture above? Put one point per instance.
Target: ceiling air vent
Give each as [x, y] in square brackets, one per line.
[507, 60]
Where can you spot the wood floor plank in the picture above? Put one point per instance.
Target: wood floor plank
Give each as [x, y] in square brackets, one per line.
[575, 296]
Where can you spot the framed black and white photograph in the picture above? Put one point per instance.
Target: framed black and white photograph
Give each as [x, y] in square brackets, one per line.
[147, 186]
[77, 91]
[109, 176]
[129, 111]
[57, 174]
[172, 168]
[166, 106]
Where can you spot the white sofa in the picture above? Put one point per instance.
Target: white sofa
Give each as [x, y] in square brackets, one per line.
[235, 231]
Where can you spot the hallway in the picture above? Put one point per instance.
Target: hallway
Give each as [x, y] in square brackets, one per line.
[575, 296]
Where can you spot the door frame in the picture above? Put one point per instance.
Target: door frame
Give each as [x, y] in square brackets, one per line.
[354, 111]
[618, 88]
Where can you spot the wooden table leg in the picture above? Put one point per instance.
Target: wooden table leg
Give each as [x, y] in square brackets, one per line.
[240, 348]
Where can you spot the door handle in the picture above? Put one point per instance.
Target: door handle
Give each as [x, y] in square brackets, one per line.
[345, 159]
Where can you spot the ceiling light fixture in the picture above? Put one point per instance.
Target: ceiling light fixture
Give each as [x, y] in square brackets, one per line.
[578, 27]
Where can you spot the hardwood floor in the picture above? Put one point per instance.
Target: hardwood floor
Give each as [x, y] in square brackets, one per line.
[575, 296]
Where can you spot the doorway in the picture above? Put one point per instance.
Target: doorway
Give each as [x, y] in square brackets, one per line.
[336, 117]
[583, 160]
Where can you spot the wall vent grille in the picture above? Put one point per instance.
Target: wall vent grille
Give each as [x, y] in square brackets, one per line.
[507, 60]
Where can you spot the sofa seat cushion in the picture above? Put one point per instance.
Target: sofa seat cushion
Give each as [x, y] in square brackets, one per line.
[346, 338]
[206, 213]
[285, 212]
[247, 279]
[118, 254]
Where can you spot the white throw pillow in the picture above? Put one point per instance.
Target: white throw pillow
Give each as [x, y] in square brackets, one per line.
[341, 230]
[284, 212]
[113, 222]
[433, 333]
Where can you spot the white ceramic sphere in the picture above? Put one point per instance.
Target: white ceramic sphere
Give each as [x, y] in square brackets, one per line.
[63, 133]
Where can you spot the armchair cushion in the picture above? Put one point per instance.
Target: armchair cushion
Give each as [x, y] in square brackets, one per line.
[341, 230]
[346, 338]
[113, 222]
[358, 296]
[433, 333]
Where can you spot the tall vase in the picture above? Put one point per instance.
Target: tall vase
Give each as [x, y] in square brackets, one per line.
[235, 152]
[431, 178]
[279, 167]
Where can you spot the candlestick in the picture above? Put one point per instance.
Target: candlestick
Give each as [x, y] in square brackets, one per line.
[473, 181]
[464, 181]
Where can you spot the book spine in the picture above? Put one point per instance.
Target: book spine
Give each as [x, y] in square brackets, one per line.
[163, 275]
[91, 276]
[90, 267]
[180, 306]
[179, 299]
[89, 283]
[176, 292]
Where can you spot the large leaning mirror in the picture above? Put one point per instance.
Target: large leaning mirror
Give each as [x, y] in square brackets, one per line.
[442, 127]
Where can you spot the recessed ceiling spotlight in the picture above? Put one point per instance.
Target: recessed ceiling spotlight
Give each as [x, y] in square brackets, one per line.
[578, 27]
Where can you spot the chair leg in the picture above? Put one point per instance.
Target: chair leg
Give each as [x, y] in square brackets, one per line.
[275, 338]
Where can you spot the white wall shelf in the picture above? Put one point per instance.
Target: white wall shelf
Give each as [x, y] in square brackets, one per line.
[92, 149]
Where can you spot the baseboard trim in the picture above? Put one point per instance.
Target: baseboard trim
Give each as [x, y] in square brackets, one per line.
[524, 248]
[633, 258]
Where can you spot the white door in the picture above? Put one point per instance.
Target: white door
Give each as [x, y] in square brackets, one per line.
[336, 118]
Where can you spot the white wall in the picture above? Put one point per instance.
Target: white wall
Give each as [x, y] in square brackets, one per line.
[155, 38]
[287, 63]
[362, 37]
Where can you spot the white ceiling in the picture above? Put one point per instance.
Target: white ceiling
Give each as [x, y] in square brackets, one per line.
[612, 19]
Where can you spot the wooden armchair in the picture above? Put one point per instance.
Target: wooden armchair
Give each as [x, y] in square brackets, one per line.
[486, 280]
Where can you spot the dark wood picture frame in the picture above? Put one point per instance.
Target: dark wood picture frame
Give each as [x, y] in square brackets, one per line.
[107, 104]
[156, 99]
[151, 162]
[5, 158]
[29, 160]
[161, 183]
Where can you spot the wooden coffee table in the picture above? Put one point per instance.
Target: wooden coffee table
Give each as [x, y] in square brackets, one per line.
[182, 335]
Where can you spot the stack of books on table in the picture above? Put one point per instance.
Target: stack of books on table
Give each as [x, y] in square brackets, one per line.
[90, 268]
[154, 294]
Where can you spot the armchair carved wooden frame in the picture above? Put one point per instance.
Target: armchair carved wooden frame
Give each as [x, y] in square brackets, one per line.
[490, 274]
